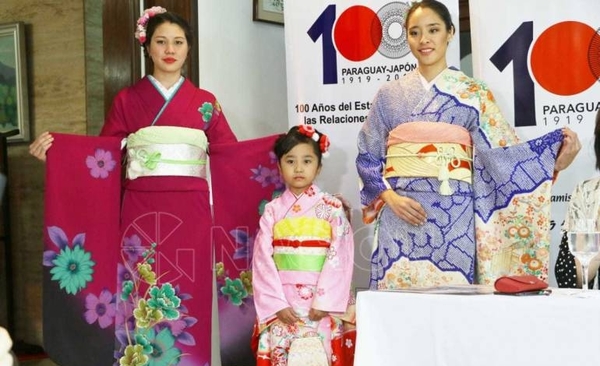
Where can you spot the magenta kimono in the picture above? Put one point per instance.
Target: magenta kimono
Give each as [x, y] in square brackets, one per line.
[303, 259]
[164, 290]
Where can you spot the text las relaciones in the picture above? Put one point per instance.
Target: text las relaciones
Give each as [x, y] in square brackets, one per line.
[334, 119]
[571, 108]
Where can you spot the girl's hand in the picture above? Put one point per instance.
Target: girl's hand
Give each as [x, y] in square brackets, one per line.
[405, 208]
[40, 146]
[568, 150]
[316, 315]
[287, 316]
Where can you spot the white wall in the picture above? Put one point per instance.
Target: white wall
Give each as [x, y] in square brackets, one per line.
[243, 63]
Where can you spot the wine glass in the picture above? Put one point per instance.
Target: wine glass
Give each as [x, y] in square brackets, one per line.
[584, 243]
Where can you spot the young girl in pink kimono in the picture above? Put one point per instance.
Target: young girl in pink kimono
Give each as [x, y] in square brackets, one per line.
[302, 263]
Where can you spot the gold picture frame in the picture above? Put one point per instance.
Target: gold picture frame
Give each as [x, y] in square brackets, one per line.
[270, 11]
[14, 97]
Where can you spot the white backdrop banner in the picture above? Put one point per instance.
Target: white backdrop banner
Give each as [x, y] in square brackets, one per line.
[543, 64]
[338, 54]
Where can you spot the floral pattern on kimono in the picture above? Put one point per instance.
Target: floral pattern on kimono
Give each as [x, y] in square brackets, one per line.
[303, 259]
[496, 224]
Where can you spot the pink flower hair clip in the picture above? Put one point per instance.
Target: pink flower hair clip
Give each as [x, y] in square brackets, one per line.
[320, 138]
[142, 22]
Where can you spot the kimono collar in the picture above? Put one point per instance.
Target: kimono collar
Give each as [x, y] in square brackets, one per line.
[166, 93]
[428, 84]
[289, 197]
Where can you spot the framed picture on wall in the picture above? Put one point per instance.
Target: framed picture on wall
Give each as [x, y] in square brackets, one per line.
[270, 11]
[14, 102]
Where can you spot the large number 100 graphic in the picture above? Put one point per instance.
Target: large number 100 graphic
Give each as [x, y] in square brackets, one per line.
[359, 32]
[564, 60]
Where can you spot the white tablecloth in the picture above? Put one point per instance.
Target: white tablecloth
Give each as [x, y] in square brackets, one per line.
[406, 329]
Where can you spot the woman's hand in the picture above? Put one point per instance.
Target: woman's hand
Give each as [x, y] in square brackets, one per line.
[316, 315]
[287, 316]
[568, 150]
[40, 146]
[405, 208]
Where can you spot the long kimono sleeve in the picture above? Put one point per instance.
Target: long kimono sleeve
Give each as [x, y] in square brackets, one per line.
[268, 290]
[333, 287]
[512, 183]
[218, 129]
[498, 131]
[371, 154]
[115, 124]
[497, 148]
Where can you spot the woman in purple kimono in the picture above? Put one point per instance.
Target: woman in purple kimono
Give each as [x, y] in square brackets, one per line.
[163, 300]
[457, 199]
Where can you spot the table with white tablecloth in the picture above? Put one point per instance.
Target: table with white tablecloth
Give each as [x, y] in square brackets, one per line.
[424, 329]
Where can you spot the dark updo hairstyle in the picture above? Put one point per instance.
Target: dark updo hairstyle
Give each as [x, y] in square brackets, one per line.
[293, 137]
[597, 139]
[168, 17]
[438, 7]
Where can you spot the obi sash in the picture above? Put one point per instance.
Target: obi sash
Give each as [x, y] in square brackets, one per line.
[166, 151]
[430, 149]
[301, 244]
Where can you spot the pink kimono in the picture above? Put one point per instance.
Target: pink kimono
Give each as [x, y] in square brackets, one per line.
[303, 259]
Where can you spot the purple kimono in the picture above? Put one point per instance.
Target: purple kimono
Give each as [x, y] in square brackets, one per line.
[486, 196]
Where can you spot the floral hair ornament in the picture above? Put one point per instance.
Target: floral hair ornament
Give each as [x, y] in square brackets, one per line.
[320, 138]
[142, 22]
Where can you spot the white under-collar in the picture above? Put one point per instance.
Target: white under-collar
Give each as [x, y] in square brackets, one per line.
[428, 84]
[166, 93]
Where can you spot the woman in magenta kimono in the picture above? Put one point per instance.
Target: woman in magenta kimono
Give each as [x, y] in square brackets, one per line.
[456, 197]
[302, 263]
[165, 279]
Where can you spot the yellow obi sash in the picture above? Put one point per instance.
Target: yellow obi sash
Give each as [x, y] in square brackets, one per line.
[430, 149]
[166, 151]
[301, 244]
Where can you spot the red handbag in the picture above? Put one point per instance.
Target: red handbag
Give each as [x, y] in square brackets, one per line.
[519, 283]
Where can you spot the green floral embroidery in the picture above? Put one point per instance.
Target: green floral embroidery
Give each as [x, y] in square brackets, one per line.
[220, 269]
[145, 316]
[73, 269]
[160, 347]
[127, 290]
[207, 111]
[246, 277]
[165, 300]
[155, 307]
[141, 340]
[234, 290]
[134, 356]
[146, 272]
